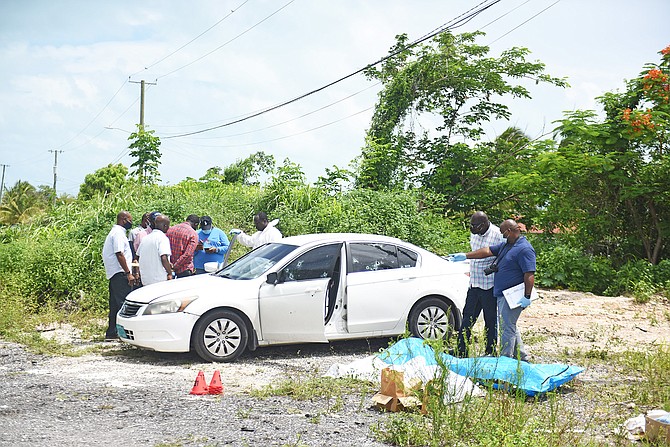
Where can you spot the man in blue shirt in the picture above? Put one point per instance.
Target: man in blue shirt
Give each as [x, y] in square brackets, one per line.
[515, 265]
[212, 245]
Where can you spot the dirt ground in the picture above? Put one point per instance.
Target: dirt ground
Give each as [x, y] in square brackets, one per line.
[122, 395]
[563, 322]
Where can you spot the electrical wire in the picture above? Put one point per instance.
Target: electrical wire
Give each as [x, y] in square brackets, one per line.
[191, 41]
[295, 118]
[225, 43]
[438, 30]
[95, 117]
[285, 136]
[524, 22]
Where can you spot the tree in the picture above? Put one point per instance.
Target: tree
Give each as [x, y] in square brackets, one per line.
[451, 82]
[20, 203]
[105, 180]
[335, 180]
[244, 171]
[611, 174]
[145, 147]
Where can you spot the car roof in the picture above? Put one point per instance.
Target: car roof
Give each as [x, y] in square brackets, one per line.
[304, 239]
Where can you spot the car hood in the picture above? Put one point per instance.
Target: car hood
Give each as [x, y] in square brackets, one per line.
[197, 284]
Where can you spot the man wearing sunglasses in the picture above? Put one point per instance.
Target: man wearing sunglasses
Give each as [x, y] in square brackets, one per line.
[480, 293]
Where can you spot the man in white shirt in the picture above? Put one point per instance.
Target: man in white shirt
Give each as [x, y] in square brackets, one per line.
[154, 253]
[480, 294]
[267, 232]
[117, 257]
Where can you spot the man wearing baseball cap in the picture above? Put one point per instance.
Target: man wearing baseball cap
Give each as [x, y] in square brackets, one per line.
[212, 245]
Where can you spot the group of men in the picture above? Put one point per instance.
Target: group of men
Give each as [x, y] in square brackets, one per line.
[502, 259]
[163, 252]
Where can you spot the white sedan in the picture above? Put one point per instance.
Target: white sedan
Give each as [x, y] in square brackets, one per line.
[309, 288]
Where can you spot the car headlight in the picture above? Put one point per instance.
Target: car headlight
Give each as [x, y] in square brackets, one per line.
[169, 306]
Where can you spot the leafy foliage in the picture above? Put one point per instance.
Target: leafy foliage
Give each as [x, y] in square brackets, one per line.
[145, 147]
[455, 83]
[105, 180]
[21, 203]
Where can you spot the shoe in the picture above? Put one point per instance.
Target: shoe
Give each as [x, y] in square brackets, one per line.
[112, 338]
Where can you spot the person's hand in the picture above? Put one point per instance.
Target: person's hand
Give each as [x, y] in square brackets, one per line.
[525, 301]
[199, 246]
[211, 250]
[457, 257]
[235, 231]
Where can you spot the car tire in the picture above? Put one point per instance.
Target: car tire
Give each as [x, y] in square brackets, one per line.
[220, 336]
[431, 318]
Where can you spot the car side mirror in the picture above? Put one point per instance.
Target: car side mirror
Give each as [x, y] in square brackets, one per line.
[272, 278]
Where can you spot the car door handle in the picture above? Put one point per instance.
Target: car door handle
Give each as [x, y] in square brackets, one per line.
[409, 278]
[313, 290]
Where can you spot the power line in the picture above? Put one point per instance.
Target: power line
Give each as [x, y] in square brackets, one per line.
[524, 22]
[226, 43]
[297, 117]
[192, 40]
[463, 19]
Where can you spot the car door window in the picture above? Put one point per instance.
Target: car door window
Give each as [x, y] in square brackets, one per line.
[316, 263]
[372, 257]
[406, 258]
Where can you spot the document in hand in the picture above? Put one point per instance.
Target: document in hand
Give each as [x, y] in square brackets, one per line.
[514, 294]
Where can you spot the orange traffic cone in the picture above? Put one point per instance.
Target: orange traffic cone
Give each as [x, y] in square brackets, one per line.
[200, 386]
[215, 386]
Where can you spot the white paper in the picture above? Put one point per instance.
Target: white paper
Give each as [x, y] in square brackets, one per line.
[513, 295]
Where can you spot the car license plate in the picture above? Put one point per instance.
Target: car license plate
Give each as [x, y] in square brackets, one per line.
[121, 331]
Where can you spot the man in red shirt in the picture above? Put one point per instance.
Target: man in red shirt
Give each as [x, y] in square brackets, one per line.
[183, 240]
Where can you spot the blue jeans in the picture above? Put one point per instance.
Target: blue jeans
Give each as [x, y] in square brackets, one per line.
[511, 344]
[479, 300]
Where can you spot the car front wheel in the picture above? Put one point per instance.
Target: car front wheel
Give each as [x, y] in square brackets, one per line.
[431, 319]
[220, 336]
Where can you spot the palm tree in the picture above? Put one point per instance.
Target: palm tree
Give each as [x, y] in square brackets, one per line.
[20, 203]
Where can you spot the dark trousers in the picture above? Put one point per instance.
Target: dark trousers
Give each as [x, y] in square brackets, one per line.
[479, 300]
[185, 273]
[118, 290]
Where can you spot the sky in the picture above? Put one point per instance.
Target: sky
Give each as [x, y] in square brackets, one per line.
[69, 80]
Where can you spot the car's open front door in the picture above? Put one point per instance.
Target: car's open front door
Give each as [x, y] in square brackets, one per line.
[292, 310]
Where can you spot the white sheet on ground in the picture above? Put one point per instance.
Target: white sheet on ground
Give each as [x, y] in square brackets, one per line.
[370, 368]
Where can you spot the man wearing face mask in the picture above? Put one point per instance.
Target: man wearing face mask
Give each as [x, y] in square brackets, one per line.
[212, 245]
[515, 260]
[480, 293]
[117, 258]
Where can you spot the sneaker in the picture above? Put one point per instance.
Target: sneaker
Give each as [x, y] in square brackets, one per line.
[111, 338]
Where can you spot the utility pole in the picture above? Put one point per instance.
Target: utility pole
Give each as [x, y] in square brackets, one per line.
[55, 170]
[142, 84]
[2, 182]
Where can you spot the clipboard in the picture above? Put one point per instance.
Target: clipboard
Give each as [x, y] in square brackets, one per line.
[514, 294]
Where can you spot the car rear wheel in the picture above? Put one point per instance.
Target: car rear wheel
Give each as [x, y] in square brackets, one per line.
[431, 319]
[220, 336]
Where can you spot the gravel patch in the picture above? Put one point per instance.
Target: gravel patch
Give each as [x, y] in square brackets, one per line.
[125, 396]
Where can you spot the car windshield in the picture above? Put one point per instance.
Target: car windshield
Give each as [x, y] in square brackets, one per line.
[255, 263]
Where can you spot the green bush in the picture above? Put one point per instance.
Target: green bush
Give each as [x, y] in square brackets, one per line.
[563, 266]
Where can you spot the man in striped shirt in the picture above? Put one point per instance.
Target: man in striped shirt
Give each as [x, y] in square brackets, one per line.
[183, 240]
[480, 294]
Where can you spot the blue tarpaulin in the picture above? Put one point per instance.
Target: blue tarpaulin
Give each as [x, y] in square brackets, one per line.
[532, 378]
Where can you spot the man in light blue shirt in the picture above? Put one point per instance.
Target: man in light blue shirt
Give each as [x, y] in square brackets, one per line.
[480, 294]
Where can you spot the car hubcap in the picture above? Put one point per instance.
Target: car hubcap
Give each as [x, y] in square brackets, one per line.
[432, 323]
[222, 337]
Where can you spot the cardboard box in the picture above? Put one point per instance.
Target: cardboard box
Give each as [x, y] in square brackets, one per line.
[396, 395]
[656, 430]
